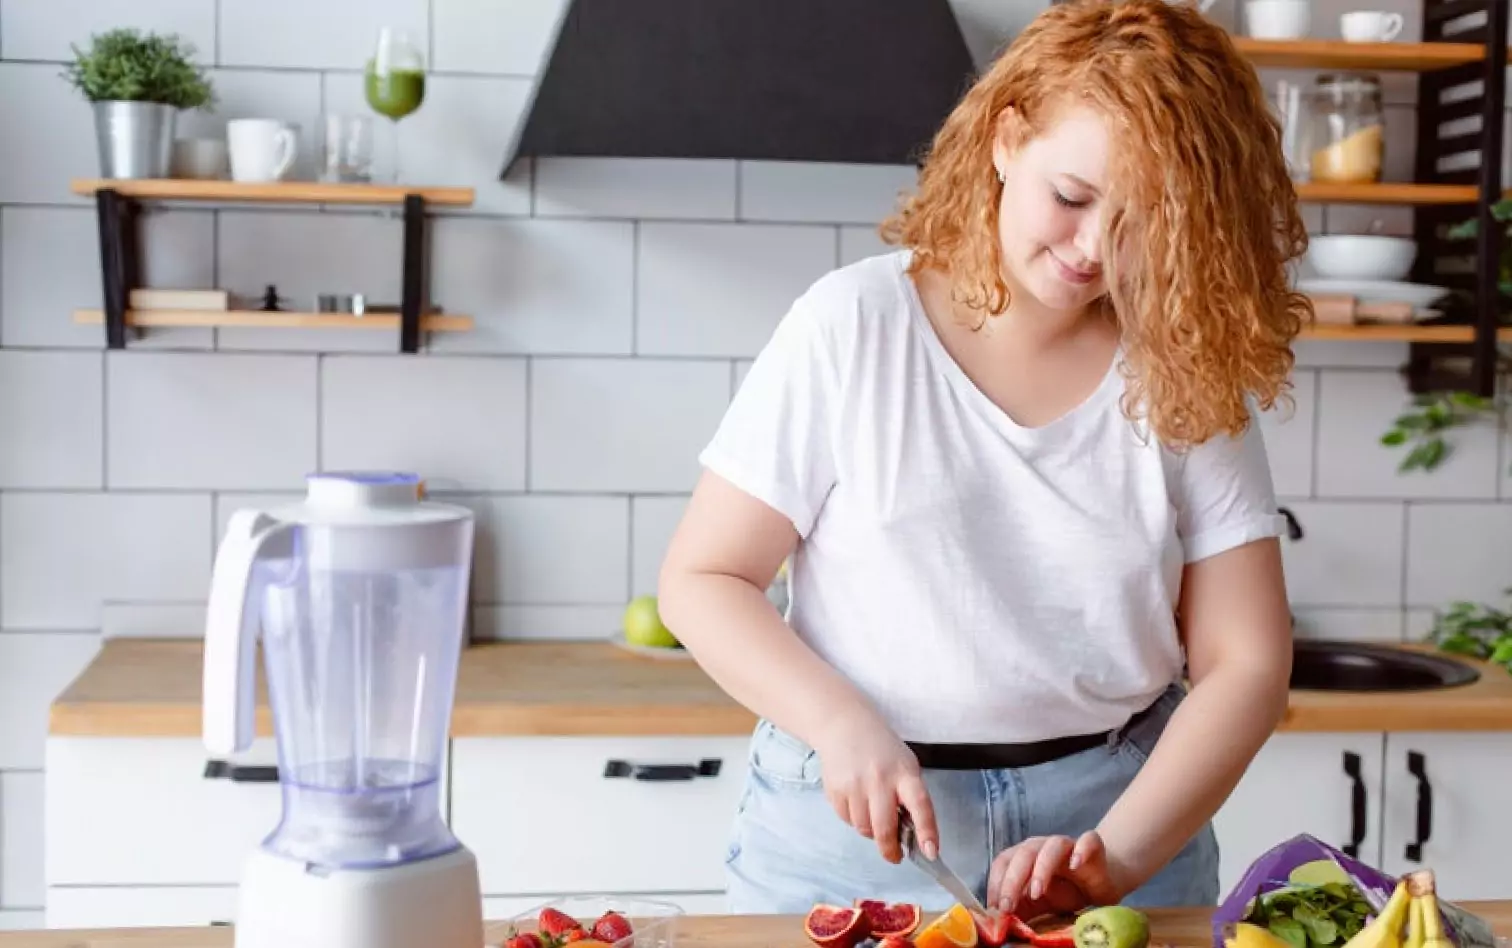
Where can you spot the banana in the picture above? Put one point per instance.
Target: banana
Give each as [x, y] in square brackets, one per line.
[1414, 923]
[1250, 935]
[1425, 902]
[1385, 930]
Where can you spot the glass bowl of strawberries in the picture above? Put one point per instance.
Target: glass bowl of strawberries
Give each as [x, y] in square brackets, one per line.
[589, 922]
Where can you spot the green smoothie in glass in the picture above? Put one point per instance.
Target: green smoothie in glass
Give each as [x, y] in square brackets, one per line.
[395, 94]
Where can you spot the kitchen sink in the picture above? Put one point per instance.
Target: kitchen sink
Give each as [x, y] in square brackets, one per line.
[1324, 665]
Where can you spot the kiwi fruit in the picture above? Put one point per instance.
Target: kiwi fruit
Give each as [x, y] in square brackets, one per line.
[1112, 926]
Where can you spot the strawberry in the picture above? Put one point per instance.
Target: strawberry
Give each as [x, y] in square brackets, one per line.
[611, 927]
[525, 940]
[558, 924]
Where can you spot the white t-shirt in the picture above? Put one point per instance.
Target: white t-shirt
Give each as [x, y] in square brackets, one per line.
[979, 581]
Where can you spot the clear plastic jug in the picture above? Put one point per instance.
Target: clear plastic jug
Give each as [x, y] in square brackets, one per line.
[359, 593]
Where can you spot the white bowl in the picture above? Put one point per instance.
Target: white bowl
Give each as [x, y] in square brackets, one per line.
[1361, 256]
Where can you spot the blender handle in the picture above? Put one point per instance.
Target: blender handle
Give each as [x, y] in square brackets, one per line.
[230, 673]
[708, 767]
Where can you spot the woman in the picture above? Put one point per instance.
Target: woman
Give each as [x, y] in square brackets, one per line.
[1016, 470]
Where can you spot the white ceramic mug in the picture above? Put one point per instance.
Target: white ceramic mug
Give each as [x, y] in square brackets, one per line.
[261, 149]
[1277, 19]
[1370, 26]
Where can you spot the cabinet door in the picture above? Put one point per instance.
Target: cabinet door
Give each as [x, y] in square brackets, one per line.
[1328, 785]
[1447, 810]
[140, 906]
[551, 816]
[140, 811]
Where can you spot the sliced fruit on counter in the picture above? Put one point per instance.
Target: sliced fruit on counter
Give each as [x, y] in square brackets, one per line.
[953, 928]
[1111, 926]
[884, 919]
[835, 926]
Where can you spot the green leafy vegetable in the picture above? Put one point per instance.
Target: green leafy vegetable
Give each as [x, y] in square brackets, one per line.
[1476, 630]
[1312, 916]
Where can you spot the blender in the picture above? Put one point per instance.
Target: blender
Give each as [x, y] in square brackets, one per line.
[359, 592]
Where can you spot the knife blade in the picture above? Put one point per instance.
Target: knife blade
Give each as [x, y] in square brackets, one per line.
[936, 868]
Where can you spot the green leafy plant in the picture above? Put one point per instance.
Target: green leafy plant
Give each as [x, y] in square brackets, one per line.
[1424, 427]
[1467, 229]
[1476, 630]
[125, 65]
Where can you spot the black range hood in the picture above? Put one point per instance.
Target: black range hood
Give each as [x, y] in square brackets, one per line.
[866, 81]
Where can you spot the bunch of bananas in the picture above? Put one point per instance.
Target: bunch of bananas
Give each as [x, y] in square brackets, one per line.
[1410, 919]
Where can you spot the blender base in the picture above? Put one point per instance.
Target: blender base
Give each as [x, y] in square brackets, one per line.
[435, 903]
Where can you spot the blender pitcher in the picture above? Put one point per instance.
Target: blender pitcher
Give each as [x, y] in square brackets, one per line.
[359, 594]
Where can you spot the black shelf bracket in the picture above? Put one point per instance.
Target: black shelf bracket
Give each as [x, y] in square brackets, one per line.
[120, 268]
[1447, 100]
[416, 270]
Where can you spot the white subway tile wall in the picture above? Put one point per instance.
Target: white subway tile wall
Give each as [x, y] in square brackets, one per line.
[618, 305]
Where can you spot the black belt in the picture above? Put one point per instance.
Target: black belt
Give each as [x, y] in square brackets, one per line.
[1012, 756]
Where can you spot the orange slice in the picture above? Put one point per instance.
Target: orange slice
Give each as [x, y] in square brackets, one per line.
[954, 928]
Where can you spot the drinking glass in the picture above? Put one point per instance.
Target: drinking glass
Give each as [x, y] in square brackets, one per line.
[395, 81]
[348, 152]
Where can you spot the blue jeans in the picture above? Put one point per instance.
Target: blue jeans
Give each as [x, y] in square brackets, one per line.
[788, 850]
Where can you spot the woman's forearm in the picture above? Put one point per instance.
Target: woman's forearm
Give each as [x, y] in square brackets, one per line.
[1206, 747]
[737, 635]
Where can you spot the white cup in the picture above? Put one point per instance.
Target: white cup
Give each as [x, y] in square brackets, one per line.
[261, 149]
[1277, 19]
[1370, 26]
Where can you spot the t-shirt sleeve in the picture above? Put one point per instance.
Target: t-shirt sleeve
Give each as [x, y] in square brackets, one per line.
[1226, 497]
[775, 441]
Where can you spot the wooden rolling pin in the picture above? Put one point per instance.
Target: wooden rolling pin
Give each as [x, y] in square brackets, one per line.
[1340, 310]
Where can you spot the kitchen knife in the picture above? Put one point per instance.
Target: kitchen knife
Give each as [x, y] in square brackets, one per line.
[936, 868]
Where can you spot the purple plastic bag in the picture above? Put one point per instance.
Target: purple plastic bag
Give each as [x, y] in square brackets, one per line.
[1272, 871]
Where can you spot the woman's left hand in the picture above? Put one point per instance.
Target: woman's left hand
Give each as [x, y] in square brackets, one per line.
[1052, 875]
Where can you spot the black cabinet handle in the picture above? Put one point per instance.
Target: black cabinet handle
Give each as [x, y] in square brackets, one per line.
[708, 767]
[1356, 805]
[220, 769]
[219, 923]
[1417, 765]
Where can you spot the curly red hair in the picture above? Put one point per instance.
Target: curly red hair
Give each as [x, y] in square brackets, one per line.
[1203, 212]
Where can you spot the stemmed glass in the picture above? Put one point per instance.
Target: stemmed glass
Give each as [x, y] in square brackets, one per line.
[395, 81]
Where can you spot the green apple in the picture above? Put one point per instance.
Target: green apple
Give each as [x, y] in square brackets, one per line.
[643, 624]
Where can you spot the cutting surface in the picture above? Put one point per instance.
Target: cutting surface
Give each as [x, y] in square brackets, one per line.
[1178, 928]
[151, 687]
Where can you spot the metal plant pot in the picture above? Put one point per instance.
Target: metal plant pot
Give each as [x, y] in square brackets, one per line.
[135, 138]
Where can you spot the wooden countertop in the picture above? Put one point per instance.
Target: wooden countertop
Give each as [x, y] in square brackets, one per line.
[1179, 928]
[151, 687]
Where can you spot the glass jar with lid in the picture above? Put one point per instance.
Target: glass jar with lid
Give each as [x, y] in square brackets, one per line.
[1349, 128]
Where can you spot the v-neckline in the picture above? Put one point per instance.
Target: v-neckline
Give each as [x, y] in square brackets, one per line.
[957, 376]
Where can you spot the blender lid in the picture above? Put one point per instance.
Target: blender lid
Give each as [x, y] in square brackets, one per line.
[367, 498]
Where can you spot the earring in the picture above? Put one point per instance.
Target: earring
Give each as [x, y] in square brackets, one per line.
[1001, 179]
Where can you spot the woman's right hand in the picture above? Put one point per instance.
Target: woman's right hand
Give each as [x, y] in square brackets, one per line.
[868, 774]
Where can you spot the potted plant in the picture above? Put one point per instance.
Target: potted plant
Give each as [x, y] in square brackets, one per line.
[137, 84]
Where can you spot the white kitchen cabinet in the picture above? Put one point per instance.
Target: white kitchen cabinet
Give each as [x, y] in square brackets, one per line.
[1446, 808]
[1325, 784]
[549, 816]
[147, 906]
[140, 811]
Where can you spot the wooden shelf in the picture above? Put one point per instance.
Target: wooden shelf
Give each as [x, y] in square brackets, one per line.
[1403, 192]
[280, 192]
[1337, 54]
[1407, 333]
[163, 318]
